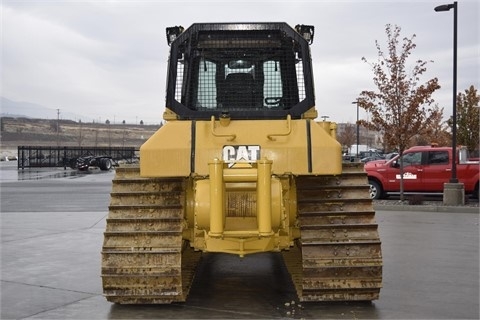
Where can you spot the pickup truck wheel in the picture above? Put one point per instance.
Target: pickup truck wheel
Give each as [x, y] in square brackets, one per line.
[375, 190]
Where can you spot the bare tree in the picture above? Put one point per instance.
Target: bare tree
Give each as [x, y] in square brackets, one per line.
[401, 107]
[347, 136]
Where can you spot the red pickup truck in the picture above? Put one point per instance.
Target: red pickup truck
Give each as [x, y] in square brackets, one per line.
[426, 169]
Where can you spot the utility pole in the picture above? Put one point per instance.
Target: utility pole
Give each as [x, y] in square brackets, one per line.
[58, 127]
[358, 129]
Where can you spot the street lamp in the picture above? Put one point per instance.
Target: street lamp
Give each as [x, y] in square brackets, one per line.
[358, 129]
[447, 7]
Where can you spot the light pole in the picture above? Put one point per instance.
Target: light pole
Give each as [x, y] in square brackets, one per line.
[358, 129]
[447, 7]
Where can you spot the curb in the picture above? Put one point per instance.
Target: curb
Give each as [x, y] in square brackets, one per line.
[427, 208]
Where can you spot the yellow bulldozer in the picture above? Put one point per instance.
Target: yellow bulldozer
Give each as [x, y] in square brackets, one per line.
[241, 167]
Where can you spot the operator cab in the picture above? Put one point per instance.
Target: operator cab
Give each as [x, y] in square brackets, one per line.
[245, 71]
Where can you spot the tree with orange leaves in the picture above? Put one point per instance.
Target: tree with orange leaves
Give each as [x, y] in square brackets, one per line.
[401, 107]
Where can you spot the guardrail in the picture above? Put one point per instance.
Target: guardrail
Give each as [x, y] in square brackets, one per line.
[42, 156]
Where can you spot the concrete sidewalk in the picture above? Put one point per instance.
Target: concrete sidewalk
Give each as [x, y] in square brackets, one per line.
[51, 270]
[51, 261]
[427, 208]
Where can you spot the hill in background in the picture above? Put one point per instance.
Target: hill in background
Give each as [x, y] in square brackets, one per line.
[15, 109]
[16, 132]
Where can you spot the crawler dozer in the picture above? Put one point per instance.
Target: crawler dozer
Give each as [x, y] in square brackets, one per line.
[241, 167]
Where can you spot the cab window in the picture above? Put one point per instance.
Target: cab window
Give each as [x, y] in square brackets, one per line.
[207, 87]
[272, 86]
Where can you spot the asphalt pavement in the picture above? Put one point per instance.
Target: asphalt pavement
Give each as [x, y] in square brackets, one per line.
[52, 224]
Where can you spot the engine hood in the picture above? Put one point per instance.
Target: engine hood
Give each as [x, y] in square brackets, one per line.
[375, 163]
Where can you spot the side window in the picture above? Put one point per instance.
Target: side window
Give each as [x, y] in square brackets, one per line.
[437, 157]
[412, 159]
[272, 87]
[207, 88]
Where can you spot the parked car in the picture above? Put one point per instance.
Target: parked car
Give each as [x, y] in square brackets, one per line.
[371, 153]
[425, 170]
[391, 155]
[372, 158]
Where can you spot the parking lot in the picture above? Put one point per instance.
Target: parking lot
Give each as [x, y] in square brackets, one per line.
[52, 224]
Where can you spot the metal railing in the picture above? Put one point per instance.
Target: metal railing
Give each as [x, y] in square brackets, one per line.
[42, 156]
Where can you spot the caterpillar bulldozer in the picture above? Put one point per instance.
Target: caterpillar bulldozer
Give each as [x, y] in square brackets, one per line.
[241, 167]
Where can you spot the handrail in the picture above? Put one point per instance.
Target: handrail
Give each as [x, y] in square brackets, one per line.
[231, 135]
[289, 130]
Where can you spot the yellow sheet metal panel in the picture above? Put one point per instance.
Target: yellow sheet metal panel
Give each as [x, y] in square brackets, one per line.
[285, 143]
[167, 152]
[326, 151]
[288, 153]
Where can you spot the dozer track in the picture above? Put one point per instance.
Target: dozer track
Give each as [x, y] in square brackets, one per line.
[338, 257]
[144, 259]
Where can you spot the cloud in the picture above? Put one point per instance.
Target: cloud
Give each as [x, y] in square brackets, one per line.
[108, 58]
[58, 66]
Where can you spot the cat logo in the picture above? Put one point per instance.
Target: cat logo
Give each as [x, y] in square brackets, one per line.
[232, 154]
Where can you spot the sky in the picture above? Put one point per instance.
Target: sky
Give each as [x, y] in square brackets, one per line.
[107, 59]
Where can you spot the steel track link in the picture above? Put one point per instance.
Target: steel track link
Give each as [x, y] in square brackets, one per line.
[144, 259]
[338, 257]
